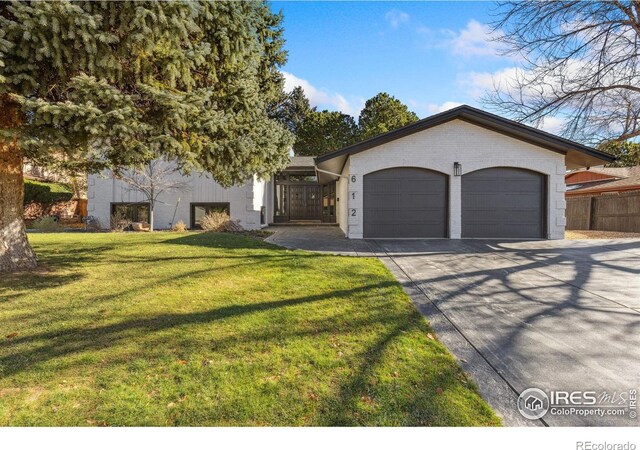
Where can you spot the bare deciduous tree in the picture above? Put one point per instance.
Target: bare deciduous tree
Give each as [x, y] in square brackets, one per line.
[152, 180]
[580, 64]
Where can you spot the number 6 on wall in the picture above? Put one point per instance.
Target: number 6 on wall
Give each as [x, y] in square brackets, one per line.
[353, 178]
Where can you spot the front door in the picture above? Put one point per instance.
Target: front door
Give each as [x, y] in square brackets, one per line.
[304, 202]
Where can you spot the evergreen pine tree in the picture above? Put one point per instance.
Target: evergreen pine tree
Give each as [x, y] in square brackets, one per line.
[293, 109]
[117, 84]
[324, 131]
[383, 113]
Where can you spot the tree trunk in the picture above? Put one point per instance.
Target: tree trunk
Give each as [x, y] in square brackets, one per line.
[150, 216]
[15, 251]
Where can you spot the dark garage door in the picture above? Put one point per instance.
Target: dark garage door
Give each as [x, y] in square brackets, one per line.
[405, 202]
[503, 202]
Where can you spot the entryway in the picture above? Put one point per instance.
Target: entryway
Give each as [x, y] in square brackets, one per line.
[299, 198]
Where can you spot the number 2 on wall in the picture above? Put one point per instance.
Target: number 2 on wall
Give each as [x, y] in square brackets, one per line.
[353, 212]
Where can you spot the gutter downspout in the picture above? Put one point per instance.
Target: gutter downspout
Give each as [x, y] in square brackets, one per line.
[331, 173]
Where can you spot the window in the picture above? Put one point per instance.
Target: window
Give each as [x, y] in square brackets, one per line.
[199, 210]
[135, 212]
[329, 202]
[303, 178]
[281, 209]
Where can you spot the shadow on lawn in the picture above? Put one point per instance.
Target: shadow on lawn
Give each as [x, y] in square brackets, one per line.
[16, 285]
[51, 260]
[70, 341]
[221, 240]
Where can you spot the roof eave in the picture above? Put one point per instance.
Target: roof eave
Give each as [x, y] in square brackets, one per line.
[489, 121]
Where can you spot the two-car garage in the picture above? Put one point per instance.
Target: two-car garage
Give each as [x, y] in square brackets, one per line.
[463, 173]
[411, 202]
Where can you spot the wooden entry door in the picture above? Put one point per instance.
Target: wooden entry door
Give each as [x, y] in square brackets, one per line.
[304, 202]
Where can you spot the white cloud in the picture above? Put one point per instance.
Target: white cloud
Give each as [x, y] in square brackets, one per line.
[480, 84]
[552, 125]
[476, 39]
[395, 17]
[321, 98]
[477, 84]
[520, 82]
[434, 108]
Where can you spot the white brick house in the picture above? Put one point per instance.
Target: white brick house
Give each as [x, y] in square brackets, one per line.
[454, 156]
[463, 173]
[244, 203]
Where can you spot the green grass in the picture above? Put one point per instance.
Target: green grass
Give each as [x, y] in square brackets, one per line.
[216, 329]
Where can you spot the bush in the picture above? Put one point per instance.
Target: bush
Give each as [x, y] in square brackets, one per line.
[219, 221]
[40, 192]
[93, 224]
[179, 227]
[119, 221]
[47, 223]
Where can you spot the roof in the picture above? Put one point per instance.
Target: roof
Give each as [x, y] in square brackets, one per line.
[615, 172]
[577, 155]
[301, 163]
[623, 179]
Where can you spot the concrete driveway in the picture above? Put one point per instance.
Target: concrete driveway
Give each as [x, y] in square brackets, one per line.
[556, 315]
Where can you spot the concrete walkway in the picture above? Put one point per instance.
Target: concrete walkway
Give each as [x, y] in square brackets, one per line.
[323, 239]
[556, 315]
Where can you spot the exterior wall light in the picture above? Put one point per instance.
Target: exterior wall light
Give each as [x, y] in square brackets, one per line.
[457, 169]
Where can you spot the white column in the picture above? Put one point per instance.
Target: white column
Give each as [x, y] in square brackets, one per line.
[455, 207]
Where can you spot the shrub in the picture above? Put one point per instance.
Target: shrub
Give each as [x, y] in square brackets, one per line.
[93, 224]
[119, 221]
[140, 226]
[219, 221]
[179, 227]
[40, 192]
[47, 223]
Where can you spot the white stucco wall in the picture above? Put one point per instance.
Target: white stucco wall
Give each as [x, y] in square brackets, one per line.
[244, 201]
[269, 200]
[472, 146]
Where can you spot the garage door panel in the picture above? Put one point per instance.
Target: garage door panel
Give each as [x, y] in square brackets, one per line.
[405, 202]
[496, 186]
[385, 187]
[503, 202]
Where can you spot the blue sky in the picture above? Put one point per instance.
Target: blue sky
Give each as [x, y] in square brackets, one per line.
[430, 55]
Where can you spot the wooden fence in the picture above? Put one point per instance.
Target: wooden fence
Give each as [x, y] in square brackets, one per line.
[616, 211]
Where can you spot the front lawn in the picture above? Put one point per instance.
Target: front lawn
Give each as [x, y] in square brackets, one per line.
[216, 329]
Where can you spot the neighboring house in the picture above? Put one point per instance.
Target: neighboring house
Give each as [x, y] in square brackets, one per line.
[460, 173]
[604, 198]
[598, 180]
